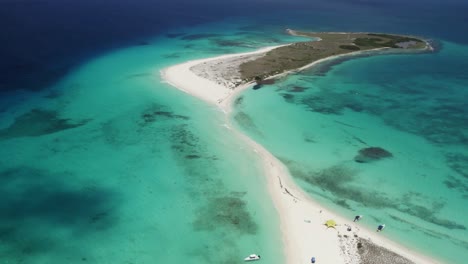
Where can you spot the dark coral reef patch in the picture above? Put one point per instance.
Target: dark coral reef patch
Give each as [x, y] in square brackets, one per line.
[297, 89]
[38, 204]
[156, 113]
[247, 122]
[38, 122]
[372, 154]
[288, 97]
[199, 36]
[339, 180]
[226, 212]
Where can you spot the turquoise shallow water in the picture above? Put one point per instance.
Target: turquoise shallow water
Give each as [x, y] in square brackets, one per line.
[412, 105]
[110, 165]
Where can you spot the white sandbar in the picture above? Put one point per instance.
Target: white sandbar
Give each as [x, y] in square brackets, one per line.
[301, 218]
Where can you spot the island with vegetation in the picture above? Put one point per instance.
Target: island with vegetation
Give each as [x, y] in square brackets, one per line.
[221, 79]
[327, 44]
[262, 66]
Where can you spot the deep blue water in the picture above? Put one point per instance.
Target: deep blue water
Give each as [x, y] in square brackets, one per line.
[43, 40]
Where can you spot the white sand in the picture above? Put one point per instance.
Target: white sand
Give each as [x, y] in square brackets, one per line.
[183, 78]
[301, 219]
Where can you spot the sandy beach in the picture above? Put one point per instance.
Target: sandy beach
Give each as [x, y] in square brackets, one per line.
[302, 219]
[182, 77]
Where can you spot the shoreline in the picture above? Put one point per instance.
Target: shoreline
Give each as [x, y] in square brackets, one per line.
[301, 218]
[211, 92]
[293, 32]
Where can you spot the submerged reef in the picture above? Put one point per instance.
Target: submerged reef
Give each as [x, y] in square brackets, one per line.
[39, 122]
[372, 154]
[340, 181]
[41, 211]
[228, 213]
[156, 112]
[247, 122]
[199, 36]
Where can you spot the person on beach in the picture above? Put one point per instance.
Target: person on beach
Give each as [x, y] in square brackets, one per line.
[357, 218]
[380, 227]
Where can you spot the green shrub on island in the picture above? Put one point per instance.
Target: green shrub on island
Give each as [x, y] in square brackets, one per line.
[371, 42]
[396, 37]
[349, 47]
[297, 55]
[384, 41]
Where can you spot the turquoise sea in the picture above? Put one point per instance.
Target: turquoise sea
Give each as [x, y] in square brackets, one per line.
[316, 122]
[103, 162]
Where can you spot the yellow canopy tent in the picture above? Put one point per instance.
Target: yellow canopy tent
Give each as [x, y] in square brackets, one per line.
[330, 223]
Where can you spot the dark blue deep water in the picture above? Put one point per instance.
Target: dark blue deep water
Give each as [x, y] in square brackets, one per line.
[42, 40]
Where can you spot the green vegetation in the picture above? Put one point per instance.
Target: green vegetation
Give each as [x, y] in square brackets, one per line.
[397, 38]
[385, 40]
[349, 47]
[300, 54]
[371, 42]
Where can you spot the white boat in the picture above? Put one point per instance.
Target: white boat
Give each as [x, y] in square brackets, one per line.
[252, 257]
[380, 227]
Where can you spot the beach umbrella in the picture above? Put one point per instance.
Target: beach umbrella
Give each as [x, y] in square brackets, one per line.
[330, 223]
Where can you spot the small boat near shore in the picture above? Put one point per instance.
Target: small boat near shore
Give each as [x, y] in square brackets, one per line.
[252, 257]
[380, 227]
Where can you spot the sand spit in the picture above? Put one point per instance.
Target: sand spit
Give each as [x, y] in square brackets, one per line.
[213, 81]
[302, 219]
